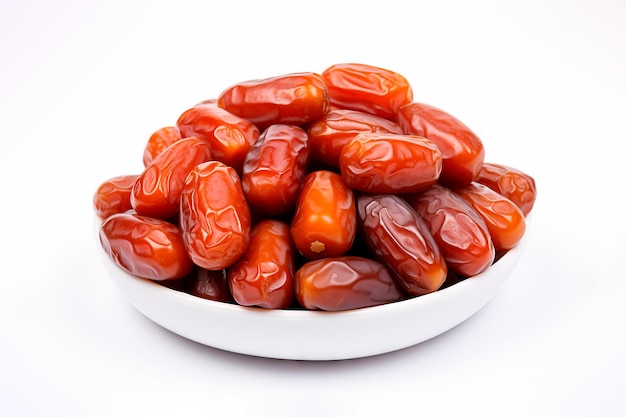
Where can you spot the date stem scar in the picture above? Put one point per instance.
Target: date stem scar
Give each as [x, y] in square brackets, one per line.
[317, 246]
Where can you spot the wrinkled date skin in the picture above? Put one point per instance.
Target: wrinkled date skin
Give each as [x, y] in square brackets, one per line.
[230, 137]
[505, 221]
[462, 151]
[324, 222]
[330, 133]
[158, 141]
[389, 164]
[113, 195]
[145, 247]
[156, 192]
[512, 183]
[274, 169]
[401, 240]
[210, 285]
[345, 283]
[367, 88]
[294, 99]
[264, 276]
[214, 216]
[460, 232]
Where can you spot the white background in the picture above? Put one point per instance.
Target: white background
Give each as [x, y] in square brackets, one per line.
[84, 83]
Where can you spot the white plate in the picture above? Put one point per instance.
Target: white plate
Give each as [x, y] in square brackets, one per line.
[313, 335]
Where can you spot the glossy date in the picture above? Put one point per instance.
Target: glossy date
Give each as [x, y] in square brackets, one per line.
[113, 195]
[512, 183]
[228, 136]
[329, 134]
[294, 99]
[156, 193]
[401, 240]
[460, 232]
[264, 275]
[214, 216]
[345, 283]
[145, 247]
[504, 219]
[367, 88]
[389, 163]
[462, 150]
[324, 223]
[158, 141]
[274, 169]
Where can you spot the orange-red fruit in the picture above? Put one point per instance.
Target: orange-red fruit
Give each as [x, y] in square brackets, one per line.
[113, 195]
[324, 223]
[229, 136]
[460, 232]
[387, 163]
[504, 219]
[461, 149]
[345, 283]
[274, 169]
[158, 141]
[294, 99]
[512, 183]
[156, 193]
[145, 247]
[400, 239]
[367, 88]
[214, 216]
[264, 275]
[329, 134]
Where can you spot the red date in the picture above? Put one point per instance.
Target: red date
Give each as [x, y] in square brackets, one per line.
[158, 141]
[210, 285]
[460, 232]
[230, 137]
[512, 183]
[504, 219]
[264, 275]
[330, 133]
[113, 195]
[462, 151]
[324, 223]
[367, 88]
[389, 163]
[214, 216]
[274, 169]
[345, 283]
[156, 193]
[294, 99]
[145, 247]
[401, 240]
